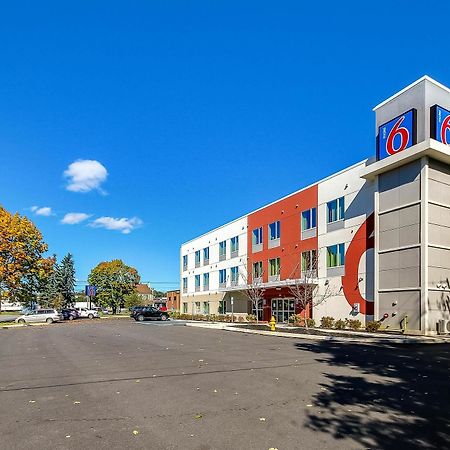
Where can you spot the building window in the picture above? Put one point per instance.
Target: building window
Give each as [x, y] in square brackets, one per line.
[205, 307]
[336, 255]
[185, 307]
[274, 231]
[234, 276]
[222, 250]
[274, 269]
[206, 256]
[197, 258]
[206, 281]
[258, 309]
[234, 246]
[197, 283]
[257, 271]
[309, 219]
[336, 210]
[197, 307]
[185, 262]
[222, 277]
[257, 236]
[185, 285]
[309, 263]
[222, 306]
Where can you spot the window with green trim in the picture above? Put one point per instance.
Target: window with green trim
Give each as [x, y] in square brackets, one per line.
[336, 255]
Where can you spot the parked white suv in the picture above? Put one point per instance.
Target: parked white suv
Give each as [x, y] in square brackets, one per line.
[40, 316]
[87, 313]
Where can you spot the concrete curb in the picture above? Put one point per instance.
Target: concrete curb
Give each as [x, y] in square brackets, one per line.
[310, 337]
[24, 325]
[374, 340]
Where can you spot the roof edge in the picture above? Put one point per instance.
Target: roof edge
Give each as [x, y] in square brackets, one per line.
[415, 83]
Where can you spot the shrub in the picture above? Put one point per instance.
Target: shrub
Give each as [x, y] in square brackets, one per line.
[299, 321]
[326, 322]
[251, 318]
[293, 318]
[339, 324]
[241, 319]
[353, 324]
[373, 326]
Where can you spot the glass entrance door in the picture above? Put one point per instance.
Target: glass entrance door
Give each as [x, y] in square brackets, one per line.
[283, 308]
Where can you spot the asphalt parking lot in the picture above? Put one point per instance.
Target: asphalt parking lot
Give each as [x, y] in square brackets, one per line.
[117, 384]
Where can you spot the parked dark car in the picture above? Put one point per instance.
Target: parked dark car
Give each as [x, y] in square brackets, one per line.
[70, 314]
[135, 309]
[150, 313]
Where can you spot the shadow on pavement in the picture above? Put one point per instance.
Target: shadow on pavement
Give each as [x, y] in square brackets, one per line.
[398, 397]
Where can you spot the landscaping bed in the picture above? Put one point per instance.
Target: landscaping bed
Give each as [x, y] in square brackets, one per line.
[317, 331]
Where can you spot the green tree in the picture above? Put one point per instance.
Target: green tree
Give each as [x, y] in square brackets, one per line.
[65, 280]
[113, 279]
[133, 299]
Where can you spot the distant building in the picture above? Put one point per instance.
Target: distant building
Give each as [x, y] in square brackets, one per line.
[145, 292]
[173, 300]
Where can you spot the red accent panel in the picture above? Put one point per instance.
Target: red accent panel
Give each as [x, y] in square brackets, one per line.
[288, 212]
[361, 242]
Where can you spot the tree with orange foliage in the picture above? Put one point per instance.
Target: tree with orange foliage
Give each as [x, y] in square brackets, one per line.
[113, 279]
[22, 265]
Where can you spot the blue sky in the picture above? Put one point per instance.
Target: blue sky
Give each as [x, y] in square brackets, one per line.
[191, 113]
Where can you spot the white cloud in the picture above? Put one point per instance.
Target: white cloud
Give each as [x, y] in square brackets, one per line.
[74, 218]
[42, 211]
[124, 225]
[85, 175]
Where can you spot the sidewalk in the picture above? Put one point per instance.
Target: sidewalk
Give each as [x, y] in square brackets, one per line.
[360, 337]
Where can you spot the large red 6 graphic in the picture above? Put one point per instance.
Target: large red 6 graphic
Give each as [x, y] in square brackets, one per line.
[397, 130]
[361, 242]
[444, 128]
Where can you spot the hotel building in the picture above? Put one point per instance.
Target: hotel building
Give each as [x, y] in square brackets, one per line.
[371, 242]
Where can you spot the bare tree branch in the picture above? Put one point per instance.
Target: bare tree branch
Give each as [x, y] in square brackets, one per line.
[254, 289]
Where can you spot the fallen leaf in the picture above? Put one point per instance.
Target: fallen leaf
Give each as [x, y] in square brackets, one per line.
[309, 404]
[198, 416]
[68, 436]
[76, 403]
[135, 432]
[215, 390]
[138, 381]
[32, 401]
[200, 360]
[262, 419]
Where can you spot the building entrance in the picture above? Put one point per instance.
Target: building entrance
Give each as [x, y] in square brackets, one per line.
[283, 308]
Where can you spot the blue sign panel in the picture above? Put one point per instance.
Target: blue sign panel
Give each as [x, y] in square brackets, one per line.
[440, 124]
[397, 135]
[91, 291]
